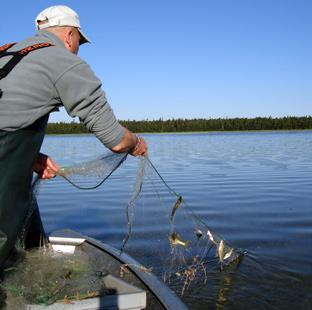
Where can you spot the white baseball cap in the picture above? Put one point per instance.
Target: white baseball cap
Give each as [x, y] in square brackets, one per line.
[59, 15]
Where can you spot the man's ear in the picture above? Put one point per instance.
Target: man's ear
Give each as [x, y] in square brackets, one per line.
[68, 34]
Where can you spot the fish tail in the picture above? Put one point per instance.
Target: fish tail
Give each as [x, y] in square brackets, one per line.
[186, 243]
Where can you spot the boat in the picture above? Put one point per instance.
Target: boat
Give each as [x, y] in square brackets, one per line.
[133, 286]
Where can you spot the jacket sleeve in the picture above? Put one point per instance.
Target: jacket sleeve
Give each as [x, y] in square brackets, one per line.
[82, 96]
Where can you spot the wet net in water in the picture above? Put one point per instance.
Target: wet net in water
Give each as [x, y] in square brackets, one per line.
[182, 248]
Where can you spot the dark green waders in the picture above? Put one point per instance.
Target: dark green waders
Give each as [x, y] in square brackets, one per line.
[18, 151]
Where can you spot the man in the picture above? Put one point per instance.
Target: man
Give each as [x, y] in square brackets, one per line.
[44, 75]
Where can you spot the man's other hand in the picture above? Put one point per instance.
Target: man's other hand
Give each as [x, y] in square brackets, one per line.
[45, 167]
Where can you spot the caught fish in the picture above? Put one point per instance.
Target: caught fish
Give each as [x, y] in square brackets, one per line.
[221, 251]
[175, 207]
[228, 254]
[209, 234]
[198, 233]
[175, 239]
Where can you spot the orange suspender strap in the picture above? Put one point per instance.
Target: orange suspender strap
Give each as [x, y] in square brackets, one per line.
[17, 56]
[5, 47]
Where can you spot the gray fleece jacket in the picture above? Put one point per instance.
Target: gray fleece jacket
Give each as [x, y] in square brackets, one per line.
[51, 77]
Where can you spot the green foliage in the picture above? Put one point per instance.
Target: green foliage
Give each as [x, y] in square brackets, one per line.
[193, 125]
[66, 128]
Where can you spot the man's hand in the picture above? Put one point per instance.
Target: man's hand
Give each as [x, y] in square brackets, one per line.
[131, 143]
[140, 148]
[45, 167]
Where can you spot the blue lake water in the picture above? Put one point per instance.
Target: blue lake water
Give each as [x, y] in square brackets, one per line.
[253, 188]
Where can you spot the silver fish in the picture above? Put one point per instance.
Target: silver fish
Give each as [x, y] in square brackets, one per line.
[228, 254]
[175, 239]
[175, 207]
[221, 251]
[198, 233]
[209, 234]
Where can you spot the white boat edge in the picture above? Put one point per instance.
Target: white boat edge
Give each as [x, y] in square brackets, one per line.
[66, 241]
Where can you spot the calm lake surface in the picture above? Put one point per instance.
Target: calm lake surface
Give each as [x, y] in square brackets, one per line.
[253, 188]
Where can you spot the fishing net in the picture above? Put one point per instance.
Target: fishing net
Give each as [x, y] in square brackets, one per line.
[84, 176]
[45, 277]
[182, 248]
[92, 174]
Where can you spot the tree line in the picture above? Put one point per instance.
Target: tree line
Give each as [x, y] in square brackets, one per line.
[189, 125]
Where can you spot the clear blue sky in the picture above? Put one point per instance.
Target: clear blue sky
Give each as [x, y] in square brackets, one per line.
[190, 58]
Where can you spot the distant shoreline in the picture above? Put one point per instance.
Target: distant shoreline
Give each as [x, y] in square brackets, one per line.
[185, 132]
[197, 125]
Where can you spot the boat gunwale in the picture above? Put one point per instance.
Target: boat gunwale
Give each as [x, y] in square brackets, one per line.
[160, 291]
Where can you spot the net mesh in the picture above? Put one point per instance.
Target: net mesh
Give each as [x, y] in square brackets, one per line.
[183, 252]
[185, 247]
[182, 248]
[45, 277]
[92, 174]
